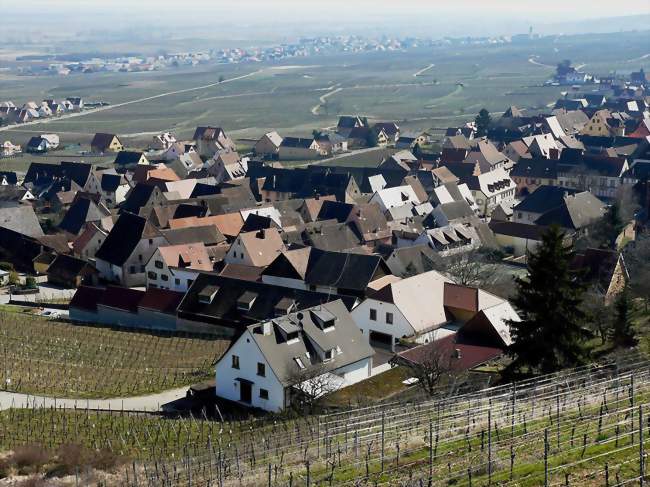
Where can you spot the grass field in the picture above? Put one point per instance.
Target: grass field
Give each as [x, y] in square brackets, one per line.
[259, 97]
[46, 357]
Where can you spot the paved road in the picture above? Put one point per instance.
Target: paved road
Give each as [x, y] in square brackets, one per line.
[150, 402]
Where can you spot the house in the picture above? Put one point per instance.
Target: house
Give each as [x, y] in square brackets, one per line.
[130, 158]
[601, 175]
[269, 145]
[273, 363]
[605, 123]
[391, 129]
[127, 248]
[89, 240]
[490, 188]
[142, 195]
[398, 310]
[544, 146]
[518, 238]
[341, 273]
[296, 148]
[114, 188]
[103, 143]
[541, 200]
[82, 211]
[227, 166]
[332, 143]
[210, 140]
[347, 124]
[530, 174]
[153, 309]
[7, 149]
[388, 198]
[175, 267]
[37, 145]
[227, 305]
[163, 141]
[256, 249]
[70, 272]
[409, 261]
[576, 213]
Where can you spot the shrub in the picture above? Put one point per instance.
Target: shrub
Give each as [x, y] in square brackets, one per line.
[6, 266]
[106, 460]
[13, 278]
[29, 458]
[4, 468]
[30, 283]
[32, 482]
[70, 457]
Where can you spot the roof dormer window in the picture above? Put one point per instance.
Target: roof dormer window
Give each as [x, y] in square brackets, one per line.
[207, 294]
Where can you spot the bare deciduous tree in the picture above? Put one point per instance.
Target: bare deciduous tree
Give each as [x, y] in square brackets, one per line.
[311, 385]
[431, 367]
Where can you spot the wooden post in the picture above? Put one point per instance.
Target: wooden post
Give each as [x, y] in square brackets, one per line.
[430, 452]
[557, 415]
[269, 484]
[546, 457]
[641, 459]
[606, 474]
[383, 421]
[489, 447]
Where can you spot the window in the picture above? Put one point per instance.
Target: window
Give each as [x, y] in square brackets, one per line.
[158, 264]
[389, 318]
[299, 362]
[142, 269]
[264, 394]
[235, 361]
[261, 369]
[373, 314]
[328, 355]
[140, 257]
[189, 282]
[151, 241]
[152, 275]
[132, 269]
[177, 281]
[164, 277]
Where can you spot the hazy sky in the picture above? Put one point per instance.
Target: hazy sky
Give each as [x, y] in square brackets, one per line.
[274, 19]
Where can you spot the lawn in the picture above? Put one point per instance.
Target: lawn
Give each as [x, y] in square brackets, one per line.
[48, 357]
[375, 389]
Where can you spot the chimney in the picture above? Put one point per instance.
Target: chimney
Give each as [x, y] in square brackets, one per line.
[266, 328]
[261, 234]
[457, 354]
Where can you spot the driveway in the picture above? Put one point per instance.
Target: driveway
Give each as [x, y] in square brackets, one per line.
[148, 403]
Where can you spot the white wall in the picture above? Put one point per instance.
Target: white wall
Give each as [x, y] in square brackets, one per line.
[400, 327]
[249, 355]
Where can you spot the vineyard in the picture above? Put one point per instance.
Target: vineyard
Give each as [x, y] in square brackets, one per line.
[586, 427]
[46, 357]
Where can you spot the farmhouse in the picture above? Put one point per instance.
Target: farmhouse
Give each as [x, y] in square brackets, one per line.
[295, 148]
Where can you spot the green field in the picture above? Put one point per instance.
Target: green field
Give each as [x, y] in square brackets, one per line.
[379, 85]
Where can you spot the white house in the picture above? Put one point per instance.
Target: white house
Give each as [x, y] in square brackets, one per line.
[491, 188]
[388, 198]
[411, 307]
[312, 352]
[175, 267]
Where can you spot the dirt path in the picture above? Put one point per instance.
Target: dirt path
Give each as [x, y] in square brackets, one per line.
[423, 70]
[131, 102]
[323, 99]
[532, 60]
[151, 402]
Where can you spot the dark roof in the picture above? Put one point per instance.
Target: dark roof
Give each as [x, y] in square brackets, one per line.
[123, 298]
[456, 210]
[207, 133]
[576, 212]
[209, 235]
[34, 142]
[470, 356]
[461, 170]
[125, 158]
[110, 182]
[520, 230]
[347, 271]
[102, 141]
[361, 133]
[81, 211]
[413, 260]
[161, 300]
[544, 198]
[139, 196]
[40, 174]
[535, 168]
[255, 222]
[11, 176]
[223, 309]
[330, 235]
[86, 298]
[68, 267]
[122, 239]
[348, 122]
[297, 142]
[335, 210]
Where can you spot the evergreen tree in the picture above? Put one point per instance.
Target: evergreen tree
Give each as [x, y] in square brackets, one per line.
[623, 331]
[482, 121]
[550, 335]
[607, 229]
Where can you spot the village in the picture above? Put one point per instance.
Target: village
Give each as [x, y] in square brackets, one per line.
[335, 269]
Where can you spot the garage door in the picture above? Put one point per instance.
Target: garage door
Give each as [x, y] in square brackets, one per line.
[382, 340]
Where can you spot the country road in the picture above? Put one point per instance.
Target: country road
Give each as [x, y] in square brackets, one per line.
[423, 70]
[130, 102]
[323, 99]
[151, 402]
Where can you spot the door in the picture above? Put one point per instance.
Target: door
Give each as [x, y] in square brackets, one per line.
[381, 340]
[245, 392]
